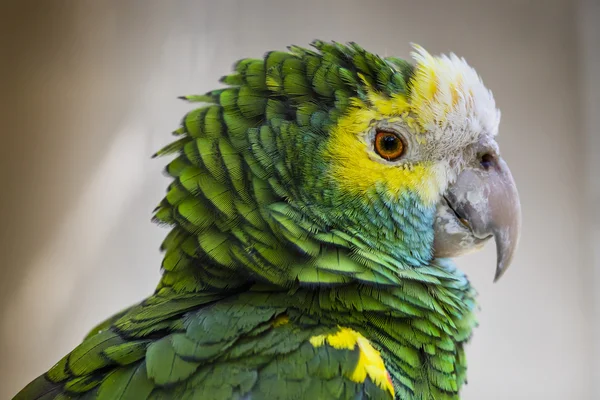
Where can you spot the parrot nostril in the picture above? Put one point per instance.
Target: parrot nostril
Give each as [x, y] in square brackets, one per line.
[487, 160]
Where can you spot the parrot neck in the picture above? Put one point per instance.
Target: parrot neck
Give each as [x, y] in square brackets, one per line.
[443, 306]
[385, 243]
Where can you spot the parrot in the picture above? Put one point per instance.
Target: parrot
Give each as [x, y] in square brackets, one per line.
[316, 202]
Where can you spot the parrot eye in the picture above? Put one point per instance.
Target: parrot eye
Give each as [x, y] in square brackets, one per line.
[389, 145]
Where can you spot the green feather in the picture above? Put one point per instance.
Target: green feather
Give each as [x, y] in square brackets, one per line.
[164, 366]
[131, 383]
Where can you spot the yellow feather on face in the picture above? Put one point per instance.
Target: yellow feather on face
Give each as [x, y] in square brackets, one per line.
[450, 101]
[356, 169]
[448, 109]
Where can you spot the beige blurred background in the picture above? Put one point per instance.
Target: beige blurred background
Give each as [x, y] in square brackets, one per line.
[88, 92]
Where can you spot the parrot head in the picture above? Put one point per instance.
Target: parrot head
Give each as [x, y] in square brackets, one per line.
[416, 168]
[355, 165]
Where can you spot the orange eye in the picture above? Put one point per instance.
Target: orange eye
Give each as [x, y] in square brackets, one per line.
[388, 145]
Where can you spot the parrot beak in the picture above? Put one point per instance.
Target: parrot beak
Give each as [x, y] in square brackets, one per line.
[483, 202]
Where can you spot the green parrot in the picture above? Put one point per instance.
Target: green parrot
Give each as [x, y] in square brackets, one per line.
[316, 201]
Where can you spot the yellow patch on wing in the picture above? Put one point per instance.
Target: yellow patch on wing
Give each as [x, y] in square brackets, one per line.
[370, 364]
[353, 167]
[280, 320]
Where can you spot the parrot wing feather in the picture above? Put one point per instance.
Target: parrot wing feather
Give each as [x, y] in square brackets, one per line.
[240, 347]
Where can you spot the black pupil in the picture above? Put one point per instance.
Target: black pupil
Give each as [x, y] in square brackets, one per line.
[389, 143]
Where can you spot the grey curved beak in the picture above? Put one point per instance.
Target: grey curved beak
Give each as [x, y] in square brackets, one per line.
[487, 201]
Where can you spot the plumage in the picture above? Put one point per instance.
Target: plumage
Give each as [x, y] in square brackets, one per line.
[298, 266]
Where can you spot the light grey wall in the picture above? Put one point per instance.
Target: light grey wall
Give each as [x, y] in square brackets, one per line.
[589, 72]
[90, 92]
